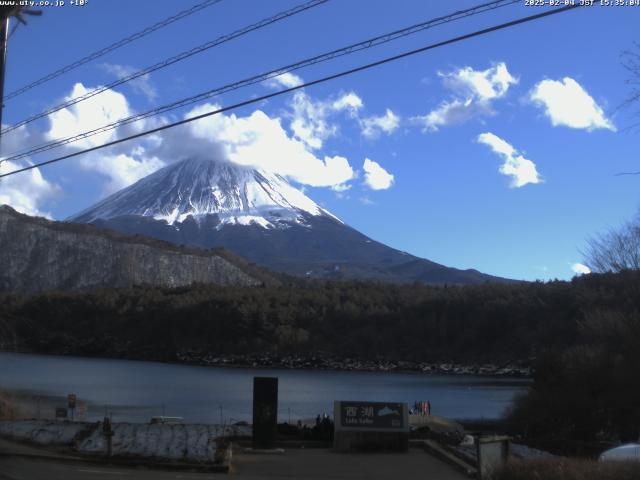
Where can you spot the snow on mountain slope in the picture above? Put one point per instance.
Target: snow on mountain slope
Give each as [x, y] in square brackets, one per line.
[198, 187]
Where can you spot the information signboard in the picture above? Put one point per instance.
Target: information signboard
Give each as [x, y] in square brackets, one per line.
[382, 416]
[371, 426]
[375, 415]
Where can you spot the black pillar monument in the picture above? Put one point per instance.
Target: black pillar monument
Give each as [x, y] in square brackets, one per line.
[265, 412]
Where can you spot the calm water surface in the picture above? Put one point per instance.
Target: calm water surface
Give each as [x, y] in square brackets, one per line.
[135, 391]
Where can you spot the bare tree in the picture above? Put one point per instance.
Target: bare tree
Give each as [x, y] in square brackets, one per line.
[630, 60]
[616, 250]
[619, 249]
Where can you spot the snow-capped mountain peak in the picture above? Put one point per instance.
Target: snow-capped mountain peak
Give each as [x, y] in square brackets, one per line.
[261, 217]
[199, 187]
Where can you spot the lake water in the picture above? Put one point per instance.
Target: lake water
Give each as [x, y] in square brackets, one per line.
[136, 391]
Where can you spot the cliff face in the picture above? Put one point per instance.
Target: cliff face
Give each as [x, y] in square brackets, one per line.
[37, 254]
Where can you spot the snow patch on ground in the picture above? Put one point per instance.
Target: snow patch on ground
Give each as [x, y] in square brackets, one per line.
[42, 432]
[179, 442]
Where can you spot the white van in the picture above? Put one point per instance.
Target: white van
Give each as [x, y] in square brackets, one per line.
[630, 451]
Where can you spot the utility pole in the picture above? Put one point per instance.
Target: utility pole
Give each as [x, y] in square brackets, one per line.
[4, 37]
[5, 16]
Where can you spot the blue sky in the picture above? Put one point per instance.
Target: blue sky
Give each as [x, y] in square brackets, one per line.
[538, 101]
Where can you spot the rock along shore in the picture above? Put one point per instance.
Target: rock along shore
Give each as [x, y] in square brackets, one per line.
[328, 362]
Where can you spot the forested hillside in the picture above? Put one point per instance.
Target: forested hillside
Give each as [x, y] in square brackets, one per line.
[492, 322]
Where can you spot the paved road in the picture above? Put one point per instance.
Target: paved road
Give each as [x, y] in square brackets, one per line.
[312, 464]
[322, 464]
[28, 469]
[17, 448]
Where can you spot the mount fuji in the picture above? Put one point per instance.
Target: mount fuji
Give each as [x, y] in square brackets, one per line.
[258, 215]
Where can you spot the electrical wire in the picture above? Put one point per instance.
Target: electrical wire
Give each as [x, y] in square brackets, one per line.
[170, 61]
[366, 44]
[344, 73]
[114, 46]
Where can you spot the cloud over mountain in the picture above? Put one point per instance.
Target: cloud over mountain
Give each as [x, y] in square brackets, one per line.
[256, 139]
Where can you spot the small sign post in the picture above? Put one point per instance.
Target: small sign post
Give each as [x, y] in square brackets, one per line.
[371, 426]
[71, 402]
[81, 410]
[108, 433]
[61, 412]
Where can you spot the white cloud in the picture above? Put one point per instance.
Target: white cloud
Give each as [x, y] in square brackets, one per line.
[95, 112]
[19, 140]
[521, 170]
[260, 141]
[580, 269]
[376, 177]
[26, 191]
[140, 85]
[452, 113]
[310, 118]
[122, 170]
[342, 187]
[121, 165]
[256, 140]
[480, 84]
[287, 80]
[473, 92]
[350, 101]
[567, 103]
[497, 144]
[309, 122]
[373, 126]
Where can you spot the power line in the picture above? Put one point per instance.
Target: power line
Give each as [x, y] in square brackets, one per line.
[334, 76]
[114, 46]
[170, 61]
[372, 42]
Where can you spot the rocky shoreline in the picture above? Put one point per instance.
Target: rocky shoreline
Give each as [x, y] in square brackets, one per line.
[313, 361]
[518, 369]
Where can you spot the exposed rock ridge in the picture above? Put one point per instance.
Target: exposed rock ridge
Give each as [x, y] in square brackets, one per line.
[37, 254]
